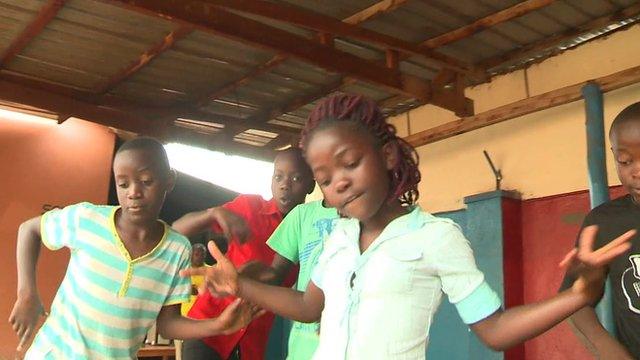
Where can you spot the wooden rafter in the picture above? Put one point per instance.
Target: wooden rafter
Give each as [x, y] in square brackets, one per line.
[486, 22]
[48, 11]
[259, 70]
[166, 43]
[223, 23]
[234, 123]
[361, 16]
[374, 10]
[71, 107]
[522, 107]
[314, 21]
[119, 104]
[599, 23]
[220, 143]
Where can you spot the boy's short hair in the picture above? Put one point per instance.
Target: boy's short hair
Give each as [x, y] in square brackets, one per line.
[297, 154]
[628, 114]
[152, 145]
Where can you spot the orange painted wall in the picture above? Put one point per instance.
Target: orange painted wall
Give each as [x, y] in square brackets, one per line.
[45, 163]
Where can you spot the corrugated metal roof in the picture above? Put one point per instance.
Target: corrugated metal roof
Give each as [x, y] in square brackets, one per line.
[88, 44]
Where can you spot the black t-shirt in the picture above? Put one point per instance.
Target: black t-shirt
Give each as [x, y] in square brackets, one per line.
[614, 218]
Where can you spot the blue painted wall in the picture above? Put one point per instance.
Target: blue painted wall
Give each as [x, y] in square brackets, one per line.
[481, 223]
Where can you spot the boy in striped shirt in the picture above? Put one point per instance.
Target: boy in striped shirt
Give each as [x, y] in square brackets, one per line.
[123, 274]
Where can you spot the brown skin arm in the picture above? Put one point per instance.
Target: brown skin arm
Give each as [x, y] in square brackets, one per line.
[272, 275]
[595, 337]
[292, 304]
[232, 225]
[28, 307]
[234, 317]
[505, 329]
[223, 279]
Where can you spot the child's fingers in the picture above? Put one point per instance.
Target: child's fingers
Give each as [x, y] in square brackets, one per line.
[193, 271]
[587, 238]
[571, 255]
[624, 238]
[608, 252]
[605, 258]
[215, 251]
[23, 341]
[234, 305]
[259, 313]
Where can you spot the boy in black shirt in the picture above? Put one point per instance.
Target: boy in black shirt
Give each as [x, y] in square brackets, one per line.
[614, 218]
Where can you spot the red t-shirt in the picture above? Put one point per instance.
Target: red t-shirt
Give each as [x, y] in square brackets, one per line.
[262, 218]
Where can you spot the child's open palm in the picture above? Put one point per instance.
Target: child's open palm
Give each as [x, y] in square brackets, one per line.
[590, 264]
[238, 315]
[220, 279]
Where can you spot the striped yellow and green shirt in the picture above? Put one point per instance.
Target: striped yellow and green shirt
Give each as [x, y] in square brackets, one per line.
[107, 301]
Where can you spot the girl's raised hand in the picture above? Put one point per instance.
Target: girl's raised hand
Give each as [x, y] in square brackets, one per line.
[220, 279]
[590, 265]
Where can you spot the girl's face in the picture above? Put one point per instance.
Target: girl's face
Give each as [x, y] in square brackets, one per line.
[351, 172]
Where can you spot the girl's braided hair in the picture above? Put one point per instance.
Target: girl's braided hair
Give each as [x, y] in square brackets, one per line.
[365, 114]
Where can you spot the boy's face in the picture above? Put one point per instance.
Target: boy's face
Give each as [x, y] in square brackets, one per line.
[141, 185]
[197, 257]
[291, 181]
[351, 172]
[625, 144]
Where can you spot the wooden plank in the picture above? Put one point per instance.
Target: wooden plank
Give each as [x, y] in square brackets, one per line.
[522, 107]
[222, 143]
[71, 107]
[48, 11]
[486, 22]
[259, 70]
[324, 38]
[165, 44]
[223, 23]
[315, 21]
[590, 26]
[374, 10]
[232, 122]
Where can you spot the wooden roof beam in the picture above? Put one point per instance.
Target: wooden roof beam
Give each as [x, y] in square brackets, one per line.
[219, 142]
[223, 23]
[234, 123]
[522, 107]
[165, 44]
[259, 70]
[486, 22]
[70, 107]
[363, 15]
[599, 23]
[48, 11]
[374, 10]
[307, 19]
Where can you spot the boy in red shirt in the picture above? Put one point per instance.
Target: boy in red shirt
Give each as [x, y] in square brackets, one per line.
[247, 222]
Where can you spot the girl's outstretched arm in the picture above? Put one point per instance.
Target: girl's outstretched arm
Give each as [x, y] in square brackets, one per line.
[223, 279]
[505, 329]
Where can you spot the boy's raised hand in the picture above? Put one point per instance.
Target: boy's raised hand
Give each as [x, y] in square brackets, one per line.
[232, 225]
[590, 264]
[24, 318]
[238, 315]
[220, 279]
